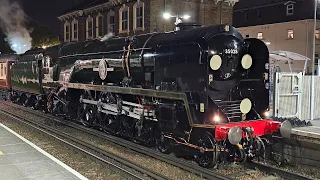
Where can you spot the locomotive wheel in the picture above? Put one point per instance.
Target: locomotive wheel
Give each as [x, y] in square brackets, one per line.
[163, 144]
[206, 158]
[86, 114]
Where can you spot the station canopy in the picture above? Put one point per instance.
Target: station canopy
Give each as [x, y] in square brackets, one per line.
[289, 61]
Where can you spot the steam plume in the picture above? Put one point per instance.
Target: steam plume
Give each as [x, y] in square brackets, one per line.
[12, 23]
[107, 36]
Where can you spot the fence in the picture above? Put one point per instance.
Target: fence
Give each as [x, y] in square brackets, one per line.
[292, 96]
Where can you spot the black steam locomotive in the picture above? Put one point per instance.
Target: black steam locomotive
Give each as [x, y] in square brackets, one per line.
[201, 89]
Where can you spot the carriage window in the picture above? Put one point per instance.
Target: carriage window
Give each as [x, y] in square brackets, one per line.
[5, 70]
[1, 70]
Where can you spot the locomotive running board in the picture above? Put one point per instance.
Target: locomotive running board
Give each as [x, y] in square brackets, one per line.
[141, 92]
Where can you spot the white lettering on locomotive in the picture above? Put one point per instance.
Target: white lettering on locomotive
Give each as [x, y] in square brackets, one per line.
[231, 51]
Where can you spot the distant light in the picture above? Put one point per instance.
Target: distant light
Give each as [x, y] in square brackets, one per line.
[166, 15]
[212, 52]
[24, 45]
[185, 16]
[14, 45]
[268, 43]
[44, 47]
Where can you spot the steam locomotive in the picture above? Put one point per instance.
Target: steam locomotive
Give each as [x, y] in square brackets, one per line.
[201, 91]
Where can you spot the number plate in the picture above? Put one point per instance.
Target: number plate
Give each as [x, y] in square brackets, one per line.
[231, 51]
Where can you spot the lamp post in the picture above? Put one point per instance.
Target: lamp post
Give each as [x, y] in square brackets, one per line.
[313, 58]
[178, 18]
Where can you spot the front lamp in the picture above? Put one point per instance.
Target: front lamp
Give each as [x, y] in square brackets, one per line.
[235, 135]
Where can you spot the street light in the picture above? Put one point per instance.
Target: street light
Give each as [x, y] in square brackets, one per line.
[313, 59]
[178, 18]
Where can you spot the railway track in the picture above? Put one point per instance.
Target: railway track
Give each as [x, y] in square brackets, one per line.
[277, 171]
[91, 150]
[190, 167]
[205, 173]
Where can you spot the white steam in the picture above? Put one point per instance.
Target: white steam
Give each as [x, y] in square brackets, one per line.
[12, 23]
[107, 36]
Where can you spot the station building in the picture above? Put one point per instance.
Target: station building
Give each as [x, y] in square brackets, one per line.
[283, 25]
[90, 19]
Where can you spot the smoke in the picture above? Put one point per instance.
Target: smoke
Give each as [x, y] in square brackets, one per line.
[12, 23]
[107, 36]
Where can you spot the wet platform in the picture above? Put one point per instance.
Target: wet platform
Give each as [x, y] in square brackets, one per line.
[22, 160]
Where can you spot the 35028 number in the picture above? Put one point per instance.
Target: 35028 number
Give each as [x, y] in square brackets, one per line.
[231, 51]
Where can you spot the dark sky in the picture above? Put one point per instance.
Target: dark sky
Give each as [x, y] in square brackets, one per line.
[46, 11]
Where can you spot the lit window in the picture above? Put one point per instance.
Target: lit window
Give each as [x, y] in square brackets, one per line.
[317, 34]
[124, 19]
[111, 23]
[260, 35]
[99, 25]
[66, 31]
[290, 9]
[138, 13]
[290, 34]
[74, 30]
[89, 27]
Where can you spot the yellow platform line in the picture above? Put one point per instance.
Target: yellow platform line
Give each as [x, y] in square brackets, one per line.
[1, 153]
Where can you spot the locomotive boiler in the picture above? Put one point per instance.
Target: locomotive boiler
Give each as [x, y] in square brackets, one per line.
[203, 90]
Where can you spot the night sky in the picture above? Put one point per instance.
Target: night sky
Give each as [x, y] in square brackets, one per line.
[46, 11]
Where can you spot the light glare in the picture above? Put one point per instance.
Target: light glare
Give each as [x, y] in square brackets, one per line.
[216, 118]
[186, 17]
[166, 15]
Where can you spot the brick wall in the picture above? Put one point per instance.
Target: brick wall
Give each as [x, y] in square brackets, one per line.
[206, 13]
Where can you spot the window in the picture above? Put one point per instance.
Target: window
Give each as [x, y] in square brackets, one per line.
[66, 31]
[89, 27]
[111, 23]
[138, 12]
[317, 34]
[74, 30]
[290, 9]
[99, 25]
[290, 34]
[1, 69]
[124, 19]
[260, 35]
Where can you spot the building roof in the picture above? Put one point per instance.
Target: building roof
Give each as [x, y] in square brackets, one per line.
[84, 5]
[243, 4]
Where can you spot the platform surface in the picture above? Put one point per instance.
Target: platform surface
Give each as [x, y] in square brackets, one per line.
[22, 160]
[308, 131]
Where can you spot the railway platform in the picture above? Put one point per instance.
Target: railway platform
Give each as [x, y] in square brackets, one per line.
[303, 147]
[22, 160]
[308, 131]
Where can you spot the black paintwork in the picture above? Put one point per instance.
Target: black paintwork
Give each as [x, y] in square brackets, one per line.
[177, 61]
